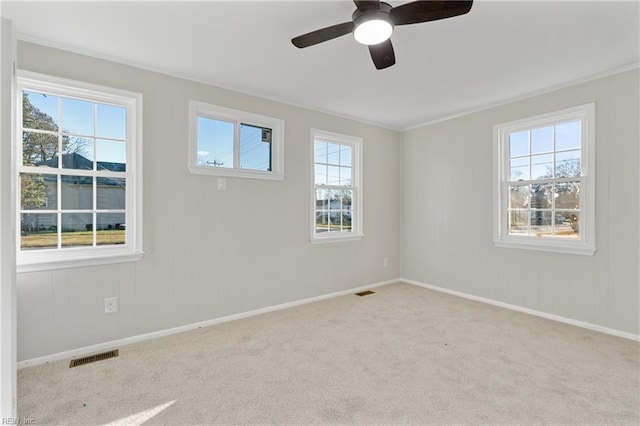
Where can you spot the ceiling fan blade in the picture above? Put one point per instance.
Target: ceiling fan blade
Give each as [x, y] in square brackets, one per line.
[366, 5]
[323, 34]
[423, 11]
[382, 54]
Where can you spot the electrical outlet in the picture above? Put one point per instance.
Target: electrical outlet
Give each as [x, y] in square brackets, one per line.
[385, 262]
[110, 305]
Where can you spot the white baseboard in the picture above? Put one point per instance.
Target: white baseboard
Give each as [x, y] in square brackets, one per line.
[546, 315]
[155, 334]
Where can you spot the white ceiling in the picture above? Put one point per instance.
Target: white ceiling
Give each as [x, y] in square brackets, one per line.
[499, 51]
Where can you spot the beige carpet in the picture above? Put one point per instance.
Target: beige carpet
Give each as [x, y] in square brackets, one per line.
[402, 355]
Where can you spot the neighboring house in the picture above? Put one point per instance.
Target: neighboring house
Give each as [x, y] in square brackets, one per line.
[77, 194]
[333, 210]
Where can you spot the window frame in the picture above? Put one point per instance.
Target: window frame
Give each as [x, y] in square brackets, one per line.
[237, 117]
[356, 186]
[69, 257]
[586, 244]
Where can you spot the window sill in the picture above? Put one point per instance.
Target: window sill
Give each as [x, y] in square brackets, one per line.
[227, 172]
[78, 262]
[553, 248]
[325, 240]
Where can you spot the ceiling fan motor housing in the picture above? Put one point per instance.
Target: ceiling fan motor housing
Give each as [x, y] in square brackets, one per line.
[380, 13]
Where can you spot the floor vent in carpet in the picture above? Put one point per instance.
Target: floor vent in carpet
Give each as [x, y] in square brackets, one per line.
[365, 293]
[93, 358]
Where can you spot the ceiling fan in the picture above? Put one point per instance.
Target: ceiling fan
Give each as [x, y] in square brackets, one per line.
[372, 24]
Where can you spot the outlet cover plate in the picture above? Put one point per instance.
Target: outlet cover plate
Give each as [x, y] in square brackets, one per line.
[110, 305]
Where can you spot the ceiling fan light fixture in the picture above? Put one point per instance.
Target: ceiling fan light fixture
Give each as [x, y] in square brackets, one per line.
[373, 31]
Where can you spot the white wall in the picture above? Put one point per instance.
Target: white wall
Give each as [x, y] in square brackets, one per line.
[7, 249]
[209, 253]
[428, 208]
[448, 209]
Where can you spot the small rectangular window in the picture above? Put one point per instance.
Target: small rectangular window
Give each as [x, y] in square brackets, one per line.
[544, 182]
[227, 142]
[336, 211]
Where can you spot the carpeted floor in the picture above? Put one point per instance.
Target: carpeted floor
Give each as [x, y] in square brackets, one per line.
[402, 355]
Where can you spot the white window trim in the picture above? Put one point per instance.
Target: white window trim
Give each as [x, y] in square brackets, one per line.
[357, 161]
[132, 250]
[202, 109]
[586, 245]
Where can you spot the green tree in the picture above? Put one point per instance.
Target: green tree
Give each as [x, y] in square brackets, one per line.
[37, 147]
[32, 191]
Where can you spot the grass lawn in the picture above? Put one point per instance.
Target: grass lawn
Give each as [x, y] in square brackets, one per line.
[79, 238]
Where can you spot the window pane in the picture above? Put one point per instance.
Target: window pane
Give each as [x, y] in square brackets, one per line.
[320, 152]
[541, 196]
[38, 192]
[112, 122]
[322, 199]
[77, 117]
[110, 228]
[321, 174]
[39, 111]
[38, 230]
[333, 154]
[77, 229]
[110, 193]
[541, 223]
[567, 224]
[568, 163]
[567, 195]
[345, 176]
[542, 140]
[346, 221]
[519, 169]
[77, 153]
[541, 166]
[519, 222]
[345, 156]
[111, 155]
[255, 147]
[568, 135]
[347, 199]
[322, 221]
[519, 196]
[333, 175]
[518, 144]
[335, 221]
[215, 143]
[77, 193]
[39, 150]
[335, 199]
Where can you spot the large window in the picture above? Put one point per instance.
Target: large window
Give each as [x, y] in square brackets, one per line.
[337, 191]
[545, 182]
[228, 142]
[78, 164]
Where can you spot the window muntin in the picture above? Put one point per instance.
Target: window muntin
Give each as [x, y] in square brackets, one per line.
[79, 196]
[336, 187]
[229, 142]
[545, 181]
